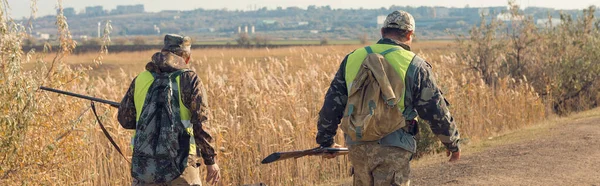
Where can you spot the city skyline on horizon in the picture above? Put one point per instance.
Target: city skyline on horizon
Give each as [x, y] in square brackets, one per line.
[21, 8]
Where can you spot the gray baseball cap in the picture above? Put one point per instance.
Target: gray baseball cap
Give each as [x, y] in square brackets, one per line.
[401, 20]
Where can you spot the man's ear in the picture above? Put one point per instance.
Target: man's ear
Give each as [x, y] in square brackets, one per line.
[186, 55]
[409, 35]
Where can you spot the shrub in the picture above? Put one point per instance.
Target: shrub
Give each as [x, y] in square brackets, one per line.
[120, 41]
[364, 39]
[560, 62]
[243, 40]
[324, 41]
[138, 41]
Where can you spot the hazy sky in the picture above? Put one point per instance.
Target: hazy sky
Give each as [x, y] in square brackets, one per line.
[21, 8]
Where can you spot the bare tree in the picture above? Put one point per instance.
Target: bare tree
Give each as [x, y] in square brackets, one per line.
[243, 40]
[364, 39]
[261, 40]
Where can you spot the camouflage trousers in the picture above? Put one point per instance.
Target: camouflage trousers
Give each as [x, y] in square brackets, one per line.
[376, 165]
[189, 177]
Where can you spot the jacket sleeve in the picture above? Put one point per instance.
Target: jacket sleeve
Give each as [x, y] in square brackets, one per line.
[126, 114]
[433, 107]
[333, 108]
[193, 97]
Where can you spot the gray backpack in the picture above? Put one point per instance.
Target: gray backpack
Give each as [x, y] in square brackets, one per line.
[161, 144]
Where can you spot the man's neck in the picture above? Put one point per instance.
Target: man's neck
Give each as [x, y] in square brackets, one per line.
[399, 41]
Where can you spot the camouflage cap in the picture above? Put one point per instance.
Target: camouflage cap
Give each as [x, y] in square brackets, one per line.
[400, 19]
[175, 43]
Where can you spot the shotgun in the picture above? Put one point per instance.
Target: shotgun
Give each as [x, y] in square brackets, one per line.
[277, 156]
[111, 103]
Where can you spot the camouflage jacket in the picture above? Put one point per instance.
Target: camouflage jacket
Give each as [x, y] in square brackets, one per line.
[192, 94]
[423, 98]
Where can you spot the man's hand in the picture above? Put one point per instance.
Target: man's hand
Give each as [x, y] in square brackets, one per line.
[332, 155]
[454, 156]
[213, 174]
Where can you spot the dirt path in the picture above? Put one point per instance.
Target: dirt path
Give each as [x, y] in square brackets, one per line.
[564, 152]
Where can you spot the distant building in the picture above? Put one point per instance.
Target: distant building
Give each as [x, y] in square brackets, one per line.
[302, 23]
[509, 17]
[204, 30]
[68, 12]
[94, 11]
[44, 36]
[547, 22]
[268, 22]
[484, 11]
[380, 20]
[157, 30]
[128, 9]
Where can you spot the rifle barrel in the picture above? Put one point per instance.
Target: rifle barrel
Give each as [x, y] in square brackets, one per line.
[111, 103]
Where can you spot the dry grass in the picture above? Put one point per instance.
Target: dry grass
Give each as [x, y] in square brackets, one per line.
[261, 101]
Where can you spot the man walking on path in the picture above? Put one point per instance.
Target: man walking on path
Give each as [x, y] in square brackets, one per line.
[165, 105]
[385, 160]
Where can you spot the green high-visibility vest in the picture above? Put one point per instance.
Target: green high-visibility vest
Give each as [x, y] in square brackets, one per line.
[142, 84]
[398, 58]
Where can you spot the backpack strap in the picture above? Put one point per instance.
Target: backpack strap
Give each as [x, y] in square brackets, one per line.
[418, 59]
[173, 78]
[176, 91]
[177, 73]
[389, 50]
[369, 50]
[172, 74]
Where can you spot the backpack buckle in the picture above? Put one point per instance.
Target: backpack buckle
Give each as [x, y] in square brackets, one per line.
[390, 104]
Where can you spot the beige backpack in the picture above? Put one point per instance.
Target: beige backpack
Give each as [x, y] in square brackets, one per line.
[371, 111]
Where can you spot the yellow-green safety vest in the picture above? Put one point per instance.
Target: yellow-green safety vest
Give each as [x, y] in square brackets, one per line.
[142, 84]
[398, 58]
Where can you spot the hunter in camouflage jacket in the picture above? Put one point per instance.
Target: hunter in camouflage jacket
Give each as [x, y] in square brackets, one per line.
[423, 99]
[192, 94]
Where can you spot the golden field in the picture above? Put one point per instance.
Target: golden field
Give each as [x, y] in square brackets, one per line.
[266, 100]
[260, 101]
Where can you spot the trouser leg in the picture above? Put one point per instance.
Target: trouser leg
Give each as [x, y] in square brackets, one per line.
[360, 164]
[392, 166]
[380, 165]
[189, 177]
